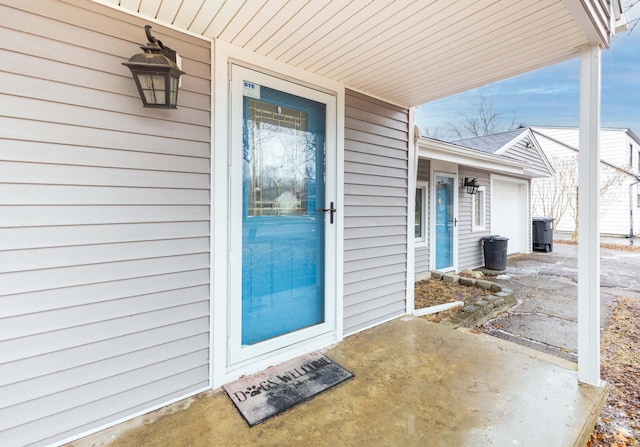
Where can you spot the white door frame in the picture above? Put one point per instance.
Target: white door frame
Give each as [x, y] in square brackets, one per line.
[447, 169]
[224, 54]
[239, 354]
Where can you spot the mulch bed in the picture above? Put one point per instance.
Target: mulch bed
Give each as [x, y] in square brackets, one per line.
[432, 292]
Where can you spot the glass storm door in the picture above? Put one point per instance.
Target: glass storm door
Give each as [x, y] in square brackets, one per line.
[445, 221]
[279, 219]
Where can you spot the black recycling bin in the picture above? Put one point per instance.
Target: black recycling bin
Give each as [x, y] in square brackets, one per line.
[495, 252]
[543, 234]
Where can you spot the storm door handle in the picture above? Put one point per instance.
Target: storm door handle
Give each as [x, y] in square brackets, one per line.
[331, 210]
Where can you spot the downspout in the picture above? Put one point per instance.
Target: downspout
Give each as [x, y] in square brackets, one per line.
[631, 206]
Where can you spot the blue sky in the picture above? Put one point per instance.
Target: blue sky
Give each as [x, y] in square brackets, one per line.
[550, 96]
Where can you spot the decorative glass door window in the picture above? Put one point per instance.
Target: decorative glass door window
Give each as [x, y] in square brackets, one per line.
[281, 163]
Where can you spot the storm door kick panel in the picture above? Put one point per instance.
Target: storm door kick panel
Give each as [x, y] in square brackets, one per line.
[282, 215]
[445, 221]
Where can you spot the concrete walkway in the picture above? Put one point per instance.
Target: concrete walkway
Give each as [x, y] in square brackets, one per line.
[417, 384]
[545, 285]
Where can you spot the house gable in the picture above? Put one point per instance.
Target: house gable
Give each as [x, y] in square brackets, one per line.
[526, 148]
[519, 144]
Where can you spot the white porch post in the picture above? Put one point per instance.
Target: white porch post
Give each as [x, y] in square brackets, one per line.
[589, 218]
[412, 164]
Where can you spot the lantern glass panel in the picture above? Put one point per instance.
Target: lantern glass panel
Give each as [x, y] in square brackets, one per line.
[174, 90]
[152, 87]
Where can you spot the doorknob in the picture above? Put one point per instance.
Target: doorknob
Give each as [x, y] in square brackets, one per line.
[331, 210]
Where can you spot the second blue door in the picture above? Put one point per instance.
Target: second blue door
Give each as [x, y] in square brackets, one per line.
[444, 221]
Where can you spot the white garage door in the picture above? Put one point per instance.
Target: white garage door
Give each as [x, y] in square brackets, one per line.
[509, 214]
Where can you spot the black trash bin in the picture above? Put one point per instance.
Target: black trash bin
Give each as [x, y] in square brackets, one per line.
[543, 234]
[495, 252]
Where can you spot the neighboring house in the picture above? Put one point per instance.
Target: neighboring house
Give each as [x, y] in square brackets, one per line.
[450, 223]
[619, 180]
[150, 254]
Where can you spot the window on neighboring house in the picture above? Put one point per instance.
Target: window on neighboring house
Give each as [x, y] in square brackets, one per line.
[420, 217]
[630, 155]
[478, 210]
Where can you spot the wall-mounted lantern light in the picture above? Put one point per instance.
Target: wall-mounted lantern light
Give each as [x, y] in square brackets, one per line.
[156, 73]
[471, 184]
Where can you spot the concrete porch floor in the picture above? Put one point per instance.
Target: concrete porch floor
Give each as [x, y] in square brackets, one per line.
[417, 384]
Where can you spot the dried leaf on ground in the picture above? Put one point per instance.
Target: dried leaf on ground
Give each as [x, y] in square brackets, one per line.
[432, 292]
[619, 423]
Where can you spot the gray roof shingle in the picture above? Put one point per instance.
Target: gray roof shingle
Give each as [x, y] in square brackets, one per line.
[490, 143]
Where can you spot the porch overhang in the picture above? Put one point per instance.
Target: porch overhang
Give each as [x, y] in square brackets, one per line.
[403, 51]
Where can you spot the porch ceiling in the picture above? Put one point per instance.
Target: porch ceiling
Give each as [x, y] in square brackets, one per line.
[405, 51]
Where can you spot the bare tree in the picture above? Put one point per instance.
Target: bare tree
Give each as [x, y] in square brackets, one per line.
[627, 6]
[610, 179]
[557, 196]
[480, 118]
[553, 196]
[437, 133]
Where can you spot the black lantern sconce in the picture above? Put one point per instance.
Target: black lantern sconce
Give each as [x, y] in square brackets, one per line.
[156, 73]
[471, 184]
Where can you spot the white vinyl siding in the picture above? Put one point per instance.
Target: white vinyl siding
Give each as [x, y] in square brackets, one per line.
[375, 222]
[104, 234]
[561, 147]
[520, 152]
[614, 143]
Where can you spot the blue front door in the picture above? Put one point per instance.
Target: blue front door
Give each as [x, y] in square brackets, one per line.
[282, 218]
[444, 221]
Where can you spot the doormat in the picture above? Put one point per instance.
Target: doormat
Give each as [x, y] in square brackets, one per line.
[268, 393]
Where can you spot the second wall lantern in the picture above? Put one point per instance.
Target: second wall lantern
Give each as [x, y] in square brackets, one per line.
[471, 184]
[156, 74]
